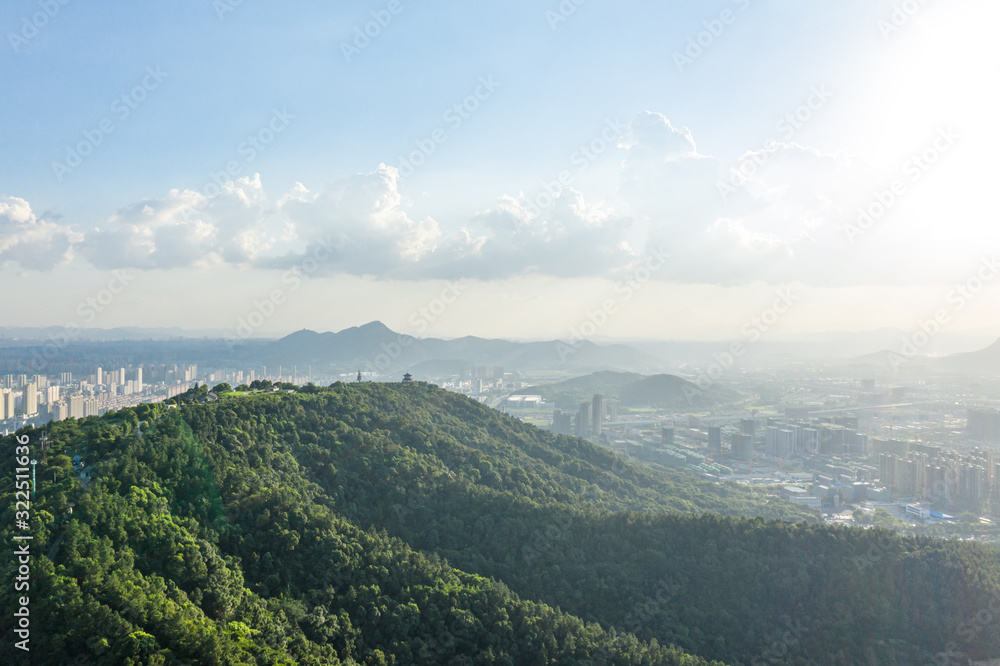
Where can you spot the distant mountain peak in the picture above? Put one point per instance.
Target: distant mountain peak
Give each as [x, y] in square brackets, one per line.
[375, 327]
[304, 333]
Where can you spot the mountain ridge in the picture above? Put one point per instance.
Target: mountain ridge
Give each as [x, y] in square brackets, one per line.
[374, 347]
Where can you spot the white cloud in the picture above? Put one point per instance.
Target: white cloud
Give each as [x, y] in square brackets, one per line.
[570, 239]
[782, 220]
[186, 229]
[362, 221]
[35, 244]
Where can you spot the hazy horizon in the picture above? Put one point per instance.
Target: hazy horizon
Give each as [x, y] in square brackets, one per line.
[813, 345]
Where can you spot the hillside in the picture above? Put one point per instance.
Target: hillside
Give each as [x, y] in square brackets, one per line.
[632, 390]
[670, 392]
[569, 393]
[404, 524]
[978, 363]
[192, 550]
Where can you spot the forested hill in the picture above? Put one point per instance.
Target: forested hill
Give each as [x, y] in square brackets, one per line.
[378, 523]
[218, 549]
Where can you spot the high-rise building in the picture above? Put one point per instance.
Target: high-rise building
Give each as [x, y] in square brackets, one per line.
[76, 406]
[851, 422]
[52, 395]
[984, 424]
[667, 436]
[831, 440]
[597, 415]
[771, 440]
[996, 487]
[715, 439]
[808, 442]
[99, 376]
[887, 469]
[786, 443]
[742, 446]
[562, 424]
[748, 427]
[7, 402]
[779, 441]
[583, 419]
[856, 443]
[30, 399]
[90, 407]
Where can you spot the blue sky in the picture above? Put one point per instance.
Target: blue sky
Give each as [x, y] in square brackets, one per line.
[138, 201]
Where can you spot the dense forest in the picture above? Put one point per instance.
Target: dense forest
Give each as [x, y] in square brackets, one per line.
[399, 523]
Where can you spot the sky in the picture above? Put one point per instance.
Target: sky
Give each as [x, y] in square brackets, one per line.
[667, 171]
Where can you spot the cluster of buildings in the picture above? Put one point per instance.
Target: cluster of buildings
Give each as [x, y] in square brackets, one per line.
[479, 379]
[588, 421]
[476, 380]
[740, 443]
[41, 398]
[802, 438]
[967, 480]
[56, 398]
[786, 439]
[669, 451]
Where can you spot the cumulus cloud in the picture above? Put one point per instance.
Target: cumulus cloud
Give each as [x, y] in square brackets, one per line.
[569, 239]
[31, 242]
[363, 225]
[361, 222]
[664, 179]
[777, 214]
[186, 229]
